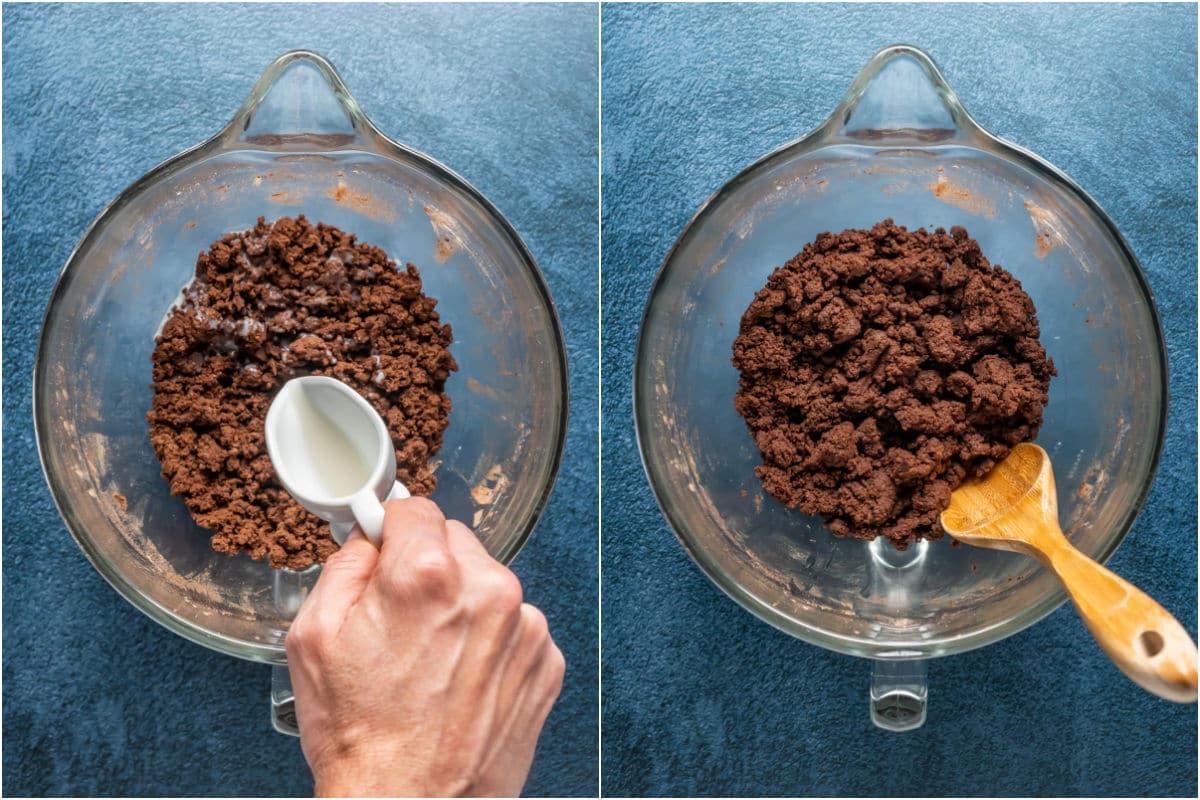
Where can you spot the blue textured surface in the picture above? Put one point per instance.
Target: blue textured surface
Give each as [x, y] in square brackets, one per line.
[97, 698]
[700, 697]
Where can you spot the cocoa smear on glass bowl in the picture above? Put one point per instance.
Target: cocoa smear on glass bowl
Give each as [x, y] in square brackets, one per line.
[299, 145]
[899, 146]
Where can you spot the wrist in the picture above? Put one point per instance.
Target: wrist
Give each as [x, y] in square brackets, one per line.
[377, 775]
[347, 781]
[351, 772]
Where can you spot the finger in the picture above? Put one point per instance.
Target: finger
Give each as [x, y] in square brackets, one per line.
[343, 579]
[463, 542]
[538, 694]
[551, 672]
[529, 645]
[410, 526]
[492, 596]
[513, 745]
[489, 589]
[414, 555]
[529, 708]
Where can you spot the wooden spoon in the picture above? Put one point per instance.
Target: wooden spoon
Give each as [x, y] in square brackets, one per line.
[1014, 507]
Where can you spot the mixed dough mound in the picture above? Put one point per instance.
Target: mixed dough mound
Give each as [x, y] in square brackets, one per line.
[879, 369]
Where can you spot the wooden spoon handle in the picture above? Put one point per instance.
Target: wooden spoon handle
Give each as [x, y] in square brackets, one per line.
[1140, 636]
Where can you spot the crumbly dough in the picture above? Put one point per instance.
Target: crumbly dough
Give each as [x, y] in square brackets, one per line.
[879, 369]
[285, 299]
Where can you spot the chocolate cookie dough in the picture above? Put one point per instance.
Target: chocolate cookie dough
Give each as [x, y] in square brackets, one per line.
[285, 299]
[879, 369]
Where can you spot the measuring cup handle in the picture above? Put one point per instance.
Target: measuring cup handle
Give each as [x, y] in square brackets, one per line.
[368, 511]
[399, 492]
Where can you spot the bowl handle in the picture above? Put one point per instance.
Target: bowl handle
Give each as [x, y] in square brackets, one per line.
[300, 103]
[283, 701]
[898, 686]
[288, 588]
[900, 98]
[899, 691]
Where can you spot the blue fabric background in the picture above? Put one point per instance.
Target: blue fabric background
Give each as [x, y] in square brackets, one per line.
[97, 698]
[698, 696]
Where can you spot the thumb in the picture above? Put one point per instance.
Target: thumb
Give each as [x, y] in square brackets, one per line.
[344, 577]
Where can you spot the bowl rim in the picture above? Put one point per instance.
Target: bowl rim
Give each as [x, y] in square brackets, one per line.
[822, 137]
[378, 144]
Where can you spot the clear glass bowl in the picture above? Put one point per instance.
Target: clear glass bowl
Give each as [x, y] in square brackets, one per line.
[299, 144]
[900, 145]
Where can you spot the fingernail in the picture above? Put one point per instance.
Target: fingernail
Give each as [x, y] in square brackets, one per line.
[355, 533]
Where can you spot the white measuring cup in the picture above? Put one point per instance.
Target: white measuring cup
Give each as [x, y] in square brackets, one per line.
[333, 454]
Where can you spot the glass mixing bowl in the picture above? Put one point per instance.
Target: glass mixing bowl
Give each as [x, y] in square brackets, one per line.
[299, 144]
[900, 145]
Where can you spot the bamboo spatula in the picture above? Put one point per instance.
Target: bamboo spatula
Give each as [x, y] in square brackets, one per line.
[1014, 507]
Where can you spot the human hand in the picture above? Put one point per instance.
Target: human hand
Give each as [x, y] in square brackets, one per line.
[417, 669]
